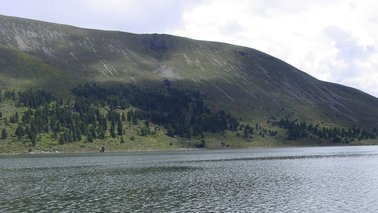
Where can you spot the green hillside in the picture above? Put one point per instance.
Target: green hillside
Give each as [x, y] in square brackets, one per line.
[251, 86]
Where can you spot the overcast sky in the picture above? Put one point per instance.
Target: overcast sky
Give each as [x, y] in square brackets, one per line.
[333, 40]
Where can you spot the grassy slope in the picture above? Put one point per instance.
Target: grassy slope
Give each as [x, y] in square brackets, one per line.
[134, 142]
[252, 85]
[249, 83]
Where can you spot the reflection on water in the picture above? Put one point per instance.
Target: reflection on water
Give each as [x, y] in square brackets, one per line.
[330, 179]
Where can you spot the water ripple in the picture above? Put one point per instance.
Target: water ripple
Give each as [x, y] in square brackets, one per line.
[236, 181]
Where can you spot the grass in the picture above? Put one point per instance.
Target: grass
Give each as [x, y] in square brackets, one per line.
[260, 86]
[366, 142]
[47, 144]
[157, 142]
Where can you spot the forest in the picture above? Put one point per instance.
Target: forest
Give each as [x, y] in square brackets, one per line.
[98, 111]
[95, 111]
[297, 130]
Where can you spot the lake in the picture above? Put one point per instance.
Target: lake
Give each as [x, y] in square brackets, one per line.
[321, 179]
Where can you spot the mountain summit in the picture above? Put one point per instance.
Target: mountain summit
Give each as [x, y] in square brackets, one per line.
[248, 83]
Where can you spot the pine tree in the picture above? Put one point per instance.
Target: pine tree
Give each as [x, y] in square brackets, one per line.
[129, 116]
[112, 130]
[4, 134]
[61, 139]
[90, 138]
[119, 128]
[19, 132]
[78, 134]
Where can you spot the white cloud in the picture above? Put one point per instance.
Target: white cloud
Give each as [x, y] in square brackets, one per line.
[332, 40]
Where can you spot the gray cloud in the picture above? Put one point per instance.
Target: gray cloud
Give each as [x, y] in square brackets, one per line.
[149, 16]
[347, 46]
[68, 12]
[349, 51]
[142, 16]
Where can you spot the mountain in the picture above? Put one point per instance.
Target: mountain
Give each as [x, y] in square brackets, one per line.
[248, 83]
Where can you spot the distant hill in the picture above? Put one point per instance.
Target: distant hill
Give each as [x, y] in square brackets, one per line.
[250, 84]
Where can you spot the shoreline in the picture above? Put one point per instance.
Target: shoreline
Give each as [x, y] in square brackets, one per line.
[34, 153]
[89, 152]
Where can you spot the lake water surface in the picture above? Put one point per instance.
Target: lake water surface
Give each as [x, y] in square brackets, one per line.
[322, 179]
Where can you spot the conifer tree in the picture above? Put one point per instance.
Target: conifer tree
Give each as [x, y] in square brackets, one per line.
[112, 130]
[4, 134]
[19, 132]
[90, 138]
[61, 139]
[119, 128]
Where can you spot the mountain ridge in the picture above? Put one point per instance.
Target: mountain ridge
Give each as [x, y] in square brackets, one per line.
[249, 83]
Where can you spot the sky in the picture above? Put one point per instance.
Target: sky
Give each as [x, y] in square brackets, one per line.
[332, 40]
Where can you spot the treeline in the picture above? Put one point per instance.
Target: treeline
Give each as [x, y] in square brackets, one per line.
[182, 112]
[301, 130]
[98, 111]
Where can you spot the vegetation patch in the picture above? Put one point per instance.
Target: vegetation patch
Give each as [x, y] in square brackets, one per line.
[128, 117]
